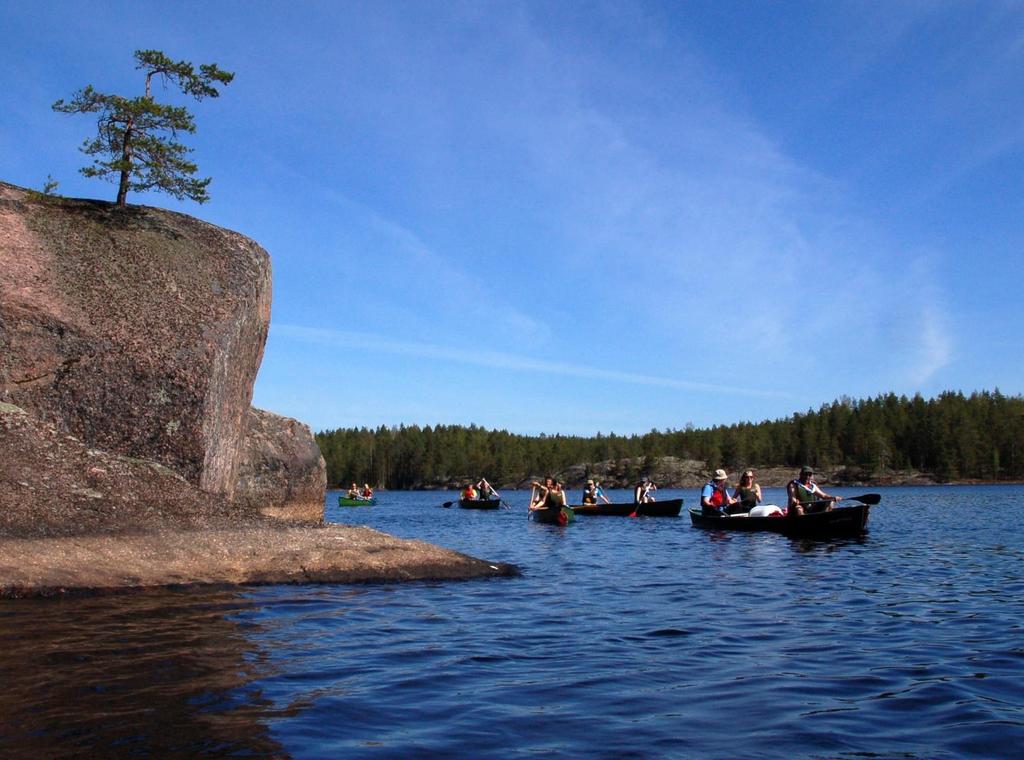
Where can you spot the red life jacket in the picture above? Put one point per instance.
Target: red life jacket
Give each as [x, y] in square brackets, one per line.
[717, 496]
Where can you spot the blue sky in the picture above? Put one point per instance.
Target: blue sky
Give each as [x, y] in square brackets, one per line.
[581, 217]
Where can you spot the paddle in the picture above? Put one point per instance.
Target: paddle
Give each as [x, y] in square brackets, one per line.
[498, 496]
[640, 501]
[529, 507]
[447, 504]
[869, 498]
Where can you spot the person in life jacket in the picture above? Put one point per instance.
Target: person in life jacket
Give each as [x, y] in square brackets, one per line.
[592, 492]
[643, 493]
[806, 496]
[469, 493]
[714, 497]
[367, 491]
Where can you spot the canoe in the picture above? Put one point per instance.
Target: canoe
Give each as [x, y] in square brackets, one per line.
[841, 521]
[667, 508]
[344, 501]
[563, 517]
[479, 503]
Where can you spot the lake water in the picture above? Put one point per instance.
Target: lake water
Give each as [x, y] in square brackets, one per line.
[623, 638]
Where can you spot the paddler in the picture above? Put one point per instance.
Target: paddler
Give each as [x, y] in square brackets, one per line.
[550, 495]
[592, 492]
[643, 493]
[714, 497]
[806, 496]
[484, 489]
[748, 492]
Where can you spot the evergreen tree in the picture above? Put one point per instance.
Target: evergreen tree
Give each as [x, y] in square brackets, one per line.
[136, 138]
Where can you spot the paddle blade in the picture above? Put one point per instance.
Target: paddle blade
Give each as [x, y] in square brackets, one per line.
[868, 498]
[447, 504]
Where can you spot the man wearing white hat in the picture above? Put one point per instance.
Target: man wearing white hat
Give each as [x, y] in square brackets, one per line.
[714, 497]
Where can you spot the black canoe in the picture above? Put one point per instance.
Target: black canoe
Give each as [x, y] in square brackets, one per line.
[667, 508]
[841, 521]
[479, 503]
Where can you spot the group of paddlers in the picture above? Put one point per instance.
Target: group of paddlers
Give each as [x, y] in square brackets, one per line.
[481, 491]
[803, 496]
[363, 494]
[551, 495]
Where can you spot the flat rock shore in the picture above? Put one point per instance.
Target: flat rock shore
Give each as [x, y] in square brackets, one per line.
[256, 555]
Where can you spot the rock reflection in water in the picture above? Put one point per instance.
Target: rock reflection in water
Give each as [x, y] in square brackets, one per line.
[156, 674]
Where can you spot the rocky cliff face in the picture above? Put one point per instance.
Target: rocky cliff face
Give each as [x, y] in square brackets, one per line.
[137, 332]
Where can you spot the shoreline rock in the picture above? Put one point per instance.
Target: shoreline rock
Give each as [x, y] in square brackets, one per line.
[257, 555]
[281, 473]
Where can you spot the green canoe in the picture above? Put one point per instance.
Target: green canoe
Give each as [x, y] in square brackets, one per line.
[344, 501]
[562, 517]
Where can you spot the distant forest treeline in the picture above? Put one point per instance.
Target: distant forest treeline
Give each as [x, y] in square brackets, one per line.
[953, 436]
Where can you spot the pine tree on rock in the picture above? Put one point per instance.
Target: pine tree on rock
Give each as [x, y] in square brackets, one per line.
[136, 140]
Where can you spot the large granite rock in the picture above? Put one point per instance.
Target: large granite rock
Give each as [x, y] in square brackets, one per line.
[129, 453]
[282, 473]
[133, 335]
[137, 330]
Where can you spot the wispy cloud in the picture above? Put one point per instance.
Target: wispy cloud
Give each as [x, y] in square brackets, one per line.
[925, 333]
[499, 360]
[442, 288]
[721, 237]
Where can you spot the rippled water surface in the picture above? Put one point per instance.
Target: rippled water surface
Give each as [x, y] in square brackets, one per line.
[623, 638]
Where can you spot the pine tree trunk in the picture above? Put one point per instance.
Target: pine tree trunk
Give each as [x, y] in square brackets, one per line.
[126, 172]
[122, 189]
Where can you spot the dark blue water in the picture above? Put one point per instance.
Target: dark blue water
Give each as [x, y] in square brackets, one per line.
[623, 638]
